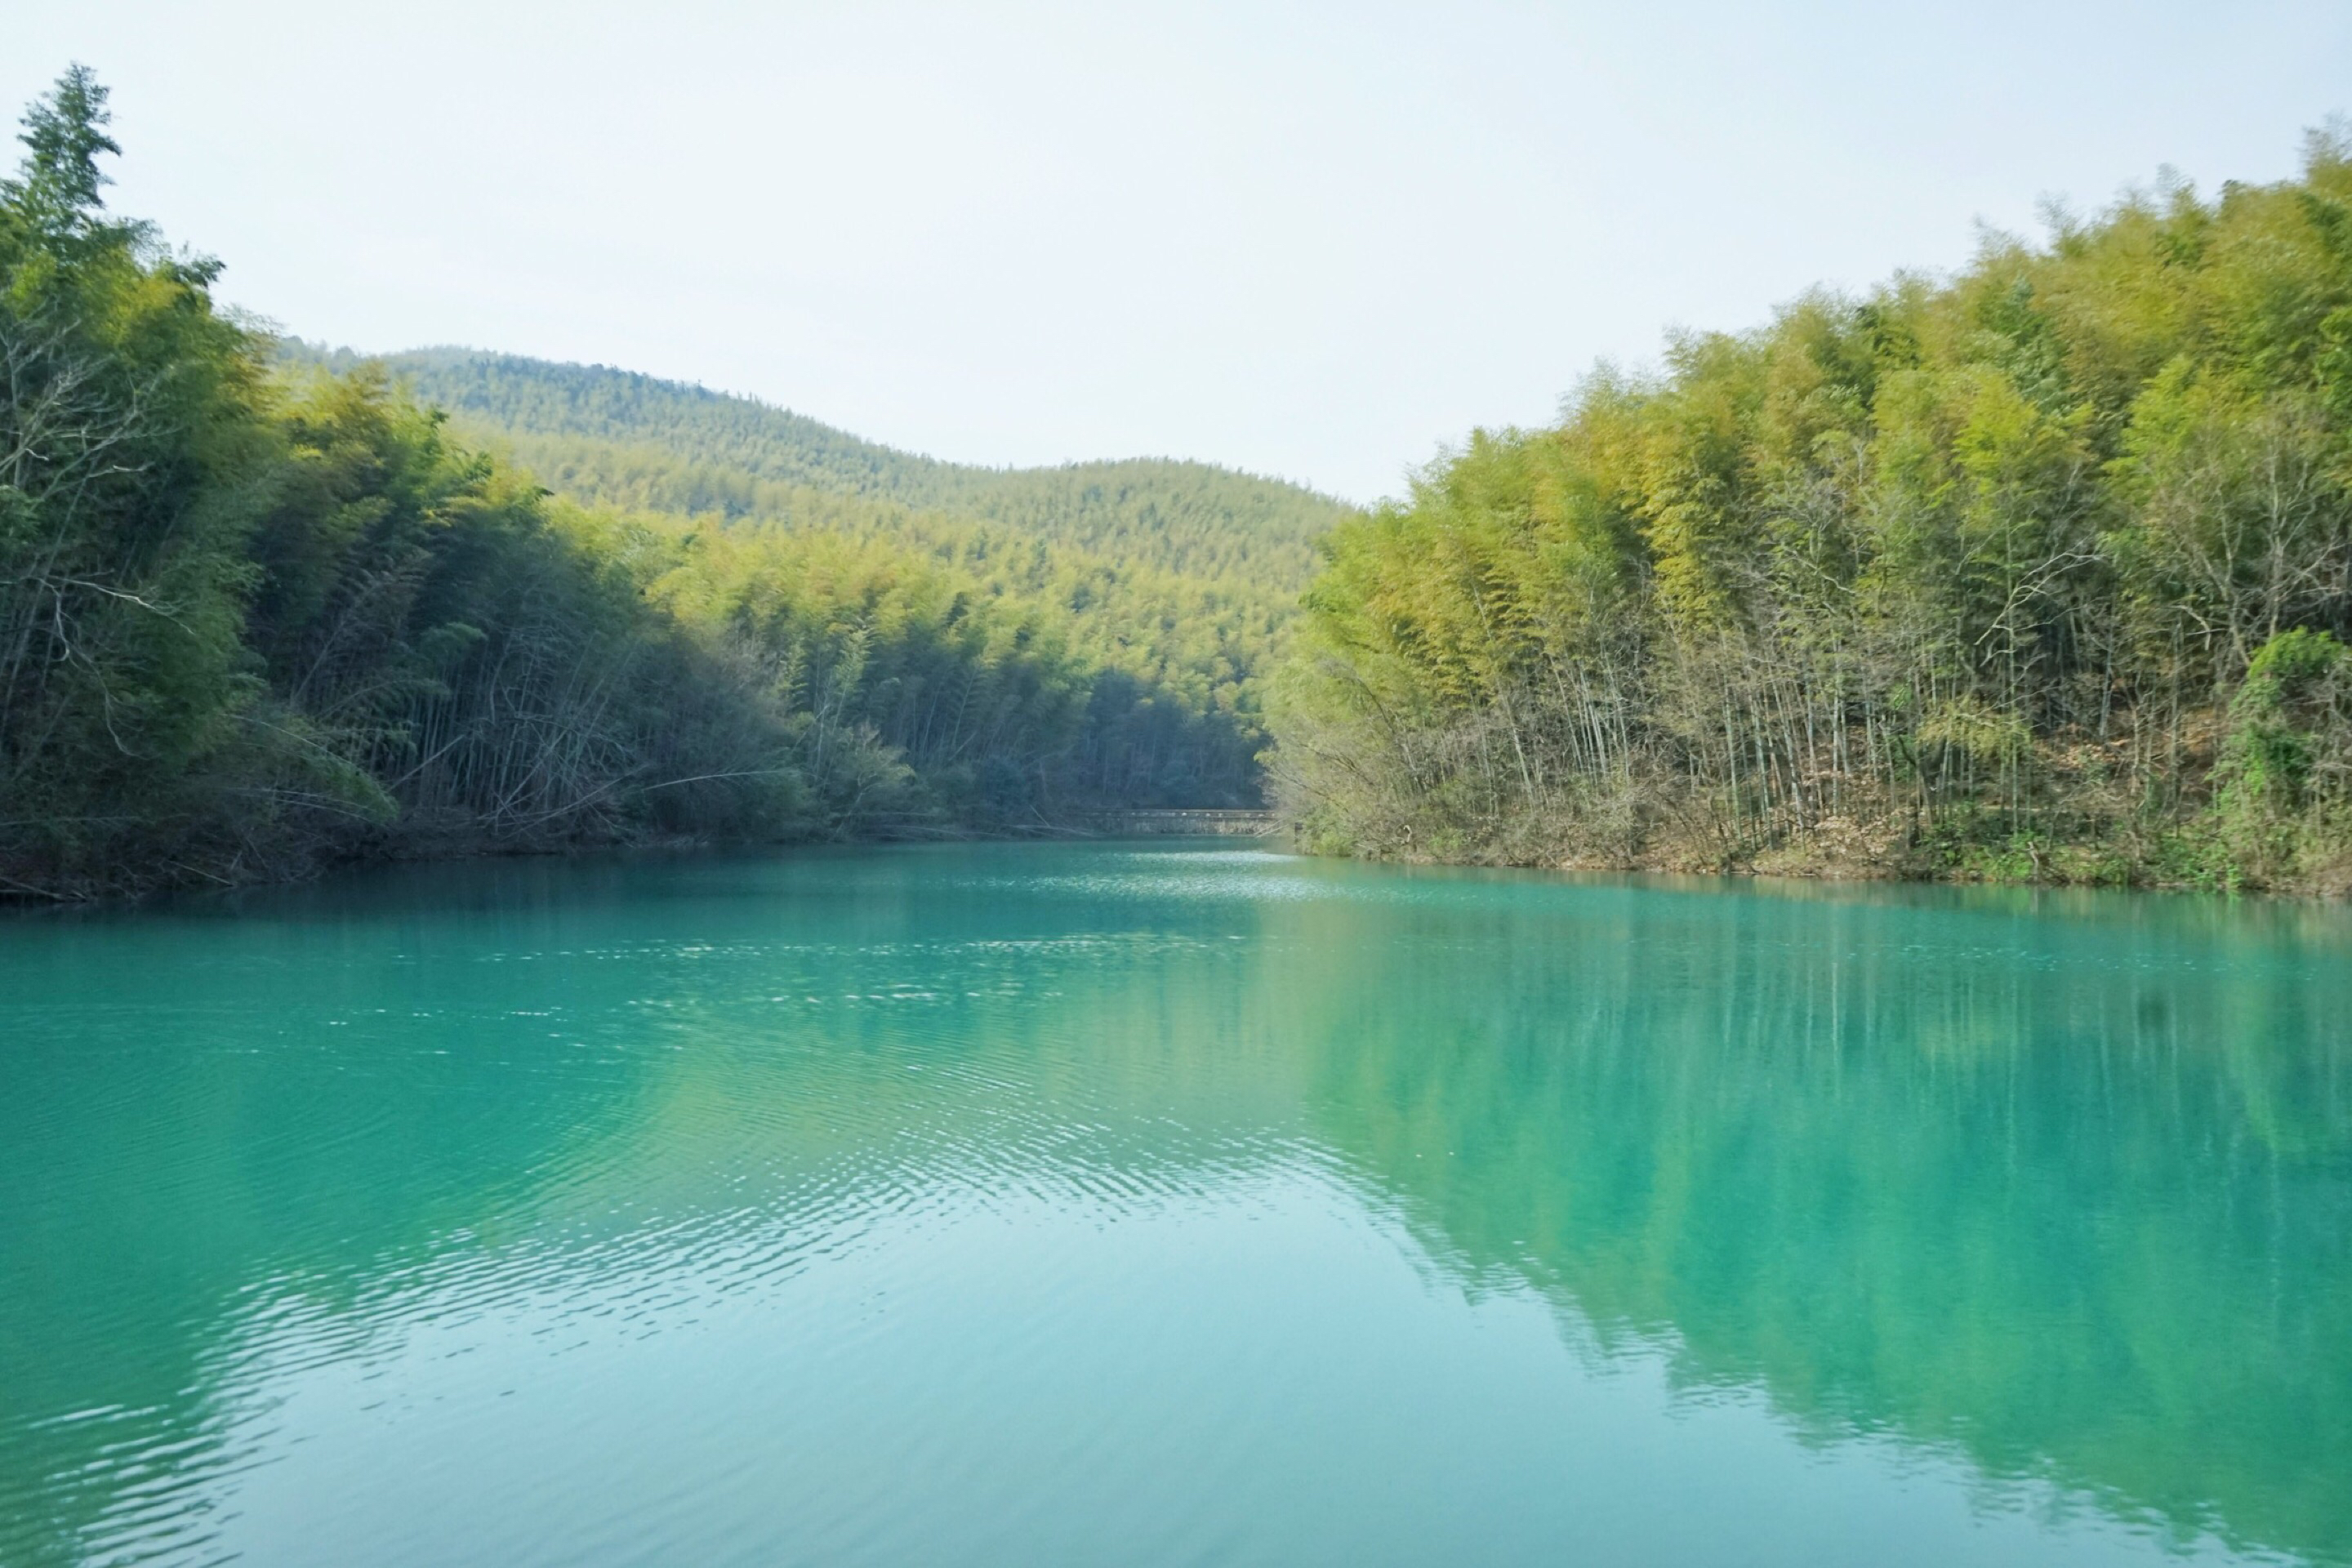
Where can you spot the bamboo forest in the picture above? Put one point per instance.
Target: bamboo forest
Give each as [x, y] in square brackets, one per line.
[1749, 967]
[2037, 573]
[265, 608]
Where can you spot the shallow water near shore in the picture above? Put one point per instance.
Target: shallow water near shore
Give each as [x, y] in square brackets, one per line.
[1171, 1203]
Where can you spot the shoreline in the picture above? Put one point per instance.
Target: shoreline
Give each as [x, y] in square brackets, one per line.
[426, 848]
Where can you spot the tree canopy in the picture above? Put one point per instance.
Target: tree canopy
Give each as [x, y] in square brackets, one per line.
[262, 606]
[2039, 571]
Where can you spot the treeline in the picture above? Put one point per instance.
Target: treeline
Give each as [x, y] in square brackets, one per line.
[617, 438]
[2043, 571]
[1174, 581]
[255, 616]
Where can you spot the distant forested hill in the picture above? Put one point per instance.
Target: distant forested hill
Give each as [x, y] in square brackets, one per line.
[1166, 587]
[617, 438]
[264, 606]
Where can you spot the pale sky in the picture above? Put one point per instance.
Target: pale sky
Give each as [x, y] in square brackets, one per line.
[1315, 241]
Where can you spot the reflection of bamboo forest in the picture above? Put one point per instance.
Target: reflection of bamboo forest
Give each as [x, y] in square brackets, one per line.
[2059, 1188]
[2068, 1198]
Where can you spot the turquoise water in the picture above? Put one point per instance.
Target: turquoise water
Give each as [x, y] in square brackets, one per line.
[1176, 1204]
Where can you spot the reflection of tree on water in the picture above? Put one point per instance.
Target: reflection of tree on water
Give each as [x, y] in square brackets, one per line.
[205, 1176]
[471, 1077]
[2070, 1197]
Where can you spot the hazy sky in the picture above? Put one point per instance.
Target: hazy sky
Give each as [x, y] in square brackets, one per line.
[1309, 240]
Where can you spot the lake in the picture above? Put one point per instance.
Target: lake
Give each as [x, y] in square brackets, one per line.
[1173, 1203]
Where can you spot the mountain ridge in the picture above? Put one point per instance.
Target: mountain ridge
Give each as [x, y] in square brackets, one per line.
[590, 430]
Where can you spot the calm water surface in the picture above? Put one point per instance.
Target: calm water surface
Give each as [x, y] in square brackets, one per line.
[1157, 1205]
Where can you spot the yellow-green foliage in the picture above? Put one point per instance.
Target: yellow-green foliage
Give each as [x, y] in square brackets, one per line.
[615, 438]
[260, 607]
[1165, 588]
[1955, 575]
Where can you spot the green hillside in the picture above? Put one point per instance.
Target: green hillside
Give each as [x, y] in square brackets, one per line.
[264, 606]
[617, 438]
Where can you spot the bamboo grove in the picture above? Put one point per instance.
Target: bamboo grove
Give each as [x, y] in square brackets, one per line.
[257, 612]
[1172, 582]
[2039, 571]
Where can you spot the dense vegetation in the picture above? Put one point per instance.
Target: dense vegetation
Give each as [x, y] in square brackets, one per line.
[1171, 584]
[2041, 572]
[256, 612]
[614, 439]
